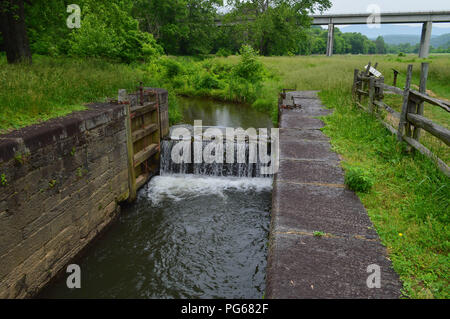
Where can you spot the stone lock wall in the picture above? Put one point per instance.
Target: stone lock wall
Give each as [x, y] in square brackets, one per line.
[60, 185]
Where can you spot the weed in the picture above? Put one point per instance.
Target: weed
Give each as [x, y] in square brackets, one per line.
[318, 234]
[3, 180]
[358, 179]
[52, 183]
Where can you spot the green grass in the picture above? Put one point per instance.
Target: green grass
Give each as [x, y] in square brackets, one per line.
[53, 87]
[409, 203]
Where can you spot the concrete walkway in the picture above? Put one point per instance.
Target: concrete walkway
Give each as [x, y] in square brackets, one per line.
[310, 196]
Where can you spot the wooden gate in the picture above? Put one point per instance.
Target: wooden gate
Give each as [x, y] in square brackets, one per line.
[144, 129]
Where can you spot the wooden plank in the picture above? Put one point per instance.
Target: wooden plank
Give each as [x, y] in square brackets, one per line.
[130, 151]
[444, 105]
[421, 122]
[371, 94]
[355, 81]
[403, 120]
[415, 144]
[422, 89]
[141, 110]
[143, 132]
[362, 107]
[425, 151]
[389, 127]
[387, 108]
[145, 154]
[362, 92]
[393, 89]
[141, 180]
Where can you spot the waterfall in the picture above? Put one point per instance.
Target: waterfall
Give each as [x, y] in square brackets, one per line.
[249, 167]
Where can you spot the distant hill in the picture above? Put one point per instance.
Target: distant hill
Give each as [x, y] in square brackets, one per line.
[436, 41]
[392, 29]
[401, 38]
[441, 41]
[400, 34]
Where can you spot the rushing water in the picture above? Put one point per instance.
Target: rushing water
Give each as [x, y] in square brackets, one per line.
[187, 236]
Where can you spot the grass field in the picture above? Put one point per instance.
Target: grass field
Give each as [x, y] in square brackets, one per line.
[409, 203]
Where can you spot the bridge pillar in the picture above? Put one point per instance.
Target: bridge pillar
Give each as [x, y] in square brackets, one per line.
[330, 39]
[425, 40]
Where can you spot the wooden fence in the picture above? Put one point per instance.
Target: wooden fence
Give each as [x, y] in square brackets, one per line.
[411, 118]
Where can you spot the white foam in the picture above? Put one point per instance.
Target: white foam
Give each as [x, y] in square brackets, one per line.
[181, 187]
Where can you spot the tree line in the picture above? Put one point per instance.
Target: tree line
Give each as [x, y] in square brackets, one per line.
[138, 30]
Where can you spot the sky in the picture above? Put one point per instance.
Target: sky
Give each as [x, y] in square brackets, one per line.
[361, 6]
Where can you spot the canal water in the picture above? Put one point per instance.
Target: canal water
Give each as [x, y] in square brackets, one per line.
[187, 235]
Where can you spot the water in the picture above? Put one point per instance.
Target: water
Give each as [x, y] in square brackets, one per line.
[245, 168]
[224, 114]
[187, 236]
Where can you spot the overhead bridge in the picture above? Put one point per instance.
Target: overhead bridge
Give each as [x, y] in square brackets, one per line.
[426, 18]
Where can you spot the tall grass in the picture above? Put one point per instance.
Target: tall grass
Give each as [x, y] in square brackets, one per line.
[54, 87]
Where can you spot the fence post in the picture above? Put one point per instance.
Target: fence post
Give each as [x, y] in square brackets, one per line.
[379, 95]
[395, 77]
[422, 89]
[355, 83]
[403, 120]
[371, 94]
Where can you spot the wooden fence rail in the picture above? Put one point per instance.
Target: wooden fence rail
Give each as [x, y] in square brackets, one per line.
[411, 118]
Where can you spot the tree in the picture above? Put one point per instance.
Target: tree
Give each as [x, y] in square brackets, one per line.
[14, 31]
[275, 27]
[181, 26]
[380, 45]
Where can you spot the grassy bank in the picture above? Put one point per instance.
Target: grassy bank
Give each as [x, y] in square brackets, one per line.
[409, 203]
[53, 87]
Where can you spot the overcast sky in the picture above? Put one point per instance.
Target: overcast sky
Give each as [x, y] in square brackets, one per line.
[359, 6]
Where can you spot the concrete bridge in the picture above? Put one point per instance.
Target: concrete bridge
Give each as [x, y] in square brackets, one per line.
[427, 18]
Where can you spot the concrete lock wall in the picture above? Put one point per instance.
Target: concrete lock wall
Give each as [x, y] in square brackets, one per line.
[61, 182]
[60, 185]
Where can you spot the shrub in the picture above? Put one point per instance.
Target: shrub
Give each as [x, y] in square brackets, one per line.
[172, 67]
[223, 53]
[249, 67]
[358, 180]
[207, 81]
